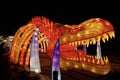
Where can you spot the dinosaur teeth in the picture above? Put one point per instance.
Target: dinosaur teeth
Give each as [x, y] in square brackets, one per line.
[70, 44]
[94, 41]
[76, 43]
[73, 43]
[104, 37]
[83, 42]
[90, 42]
[79, 43]
[98, 38]
[103, 40]
[111, 34]
[87, 42]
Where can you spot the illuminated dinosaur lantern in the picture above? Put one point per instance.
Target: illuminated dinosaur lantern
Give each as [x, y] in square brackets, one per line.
[91, 31]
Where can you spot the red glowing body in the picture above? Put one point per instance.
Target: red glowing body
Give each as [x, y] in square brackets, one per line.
[89, 32]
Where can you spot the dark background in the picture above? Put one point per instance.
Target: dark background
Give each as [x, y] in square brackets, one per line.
[13, 15]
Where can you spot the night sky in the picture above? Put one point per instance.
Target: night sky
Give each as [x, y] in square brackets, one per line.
[10, 23]
[13, 17]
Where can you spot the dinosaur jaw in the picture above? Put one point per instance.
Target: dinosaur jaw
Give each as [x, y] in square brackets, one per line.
[70, 47]
[71, 57]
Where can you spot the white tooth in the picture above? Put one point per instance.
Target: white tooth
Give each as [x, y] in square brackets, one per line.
[82, 42]
[111, 34]
[84, 59]
[80, 58]
[98, 61]
[70, 44]
[106, 37]
[88, 60]
[103, 39]
[87, 42]
[93, 40]
[74, 58]
[106, 60]
[102, 62]
[73, 43]
[98, 38]
[78, 42]
[47, 43]
[77, 59]
[90, 42]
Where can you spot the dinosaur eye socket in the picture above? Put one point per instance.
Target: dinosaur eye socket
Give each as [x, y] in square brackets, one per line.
[74, 31]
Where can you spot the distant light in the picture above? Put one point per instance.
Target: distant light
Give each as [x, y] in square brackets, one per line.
[4, 40]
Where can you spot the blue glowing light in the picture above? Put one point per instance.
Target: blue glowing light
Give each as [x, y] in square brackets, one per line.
[34, 54]
[56, 60]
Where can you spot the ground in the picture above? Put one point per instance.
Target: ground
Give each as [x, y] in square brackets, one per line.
[10, 71]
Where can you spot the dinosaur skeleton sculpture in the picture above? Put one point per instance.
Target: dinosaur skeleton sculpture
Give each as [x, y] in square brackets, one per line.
[91, 31]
